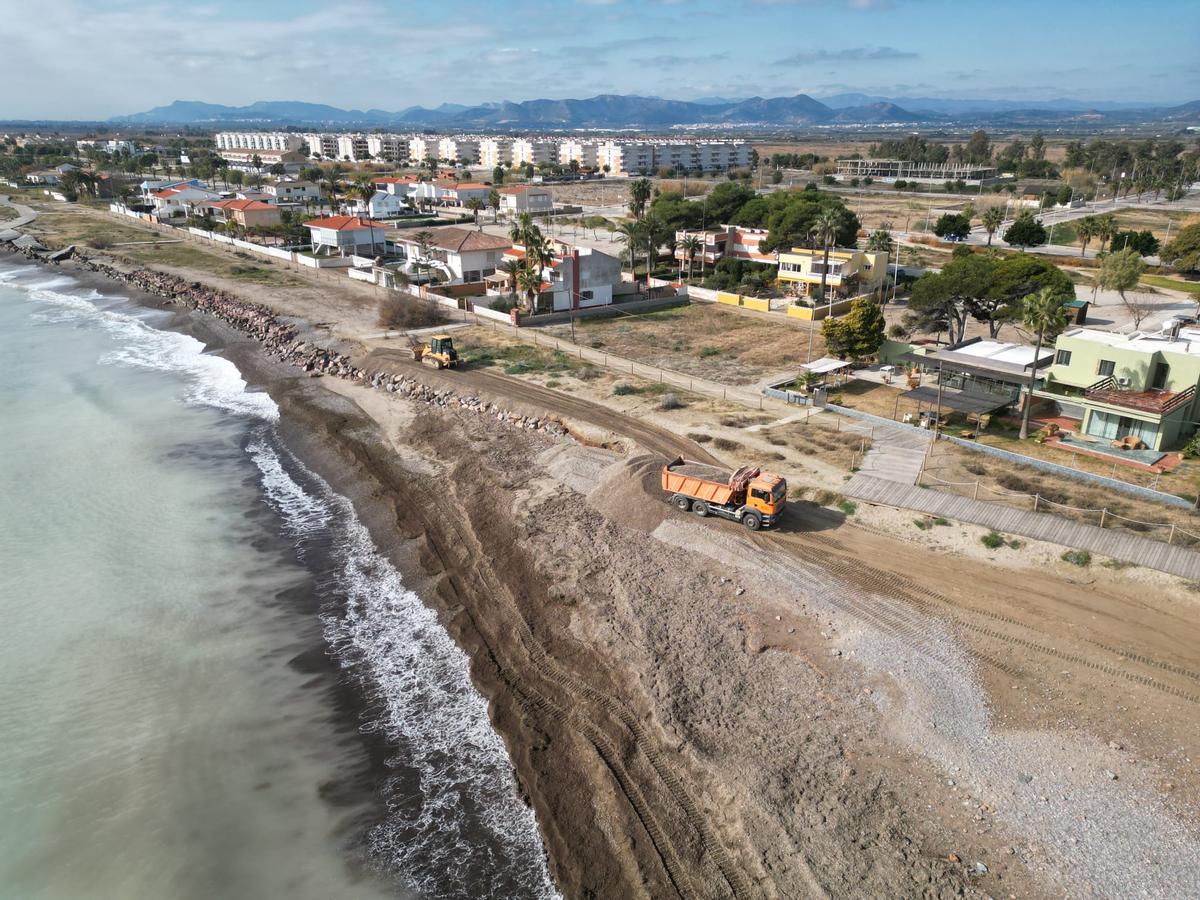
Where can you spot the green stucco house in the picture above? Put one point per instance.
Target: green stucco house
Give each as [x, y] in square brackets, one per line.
[1141, 384]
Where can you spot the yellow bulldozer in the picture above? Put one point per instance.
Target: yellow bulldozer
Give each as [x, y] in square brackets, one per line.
[438, 353]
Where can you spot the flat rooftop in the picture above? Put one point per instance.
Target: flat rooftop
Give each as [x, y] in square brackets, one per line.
[1149, 342]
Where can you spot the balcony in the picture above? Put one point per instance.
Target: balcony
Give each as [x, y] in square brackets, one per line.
[1156, 402]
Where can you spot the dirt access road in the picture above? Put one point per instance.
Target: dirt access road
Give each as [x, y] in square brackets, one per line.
[1006, 698]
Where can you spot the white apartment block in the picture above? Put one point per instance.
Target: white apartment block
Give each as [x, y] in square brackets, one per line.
[494, 152]
[626, 157]
[638, 157]
[420, 149]
[352, 147]
[258, 140]
[324, 146]
[456, 149]
[391, 147]
[533, 151]
[582, 152]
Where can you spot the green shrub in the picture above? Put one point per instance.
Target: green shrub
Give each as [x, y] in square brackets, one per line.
[623, 390]
[553, 383]
[709, 351]
[849, 507]
[726, 444]
[923, 524]
[940, 521]
[1077, 558]
[992, 540]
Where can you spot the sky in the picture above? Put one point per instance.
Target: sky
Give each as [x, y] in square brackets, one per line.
[100, 58]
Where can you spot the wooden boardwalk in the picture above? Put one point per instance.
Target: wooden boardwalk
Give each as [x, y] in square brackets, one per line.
[1109, 542]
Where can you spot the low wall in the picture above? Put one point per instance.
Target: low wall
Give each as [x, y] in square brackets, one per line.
[809, 313]
[324, 262]
[1041, 464]
[616, 309]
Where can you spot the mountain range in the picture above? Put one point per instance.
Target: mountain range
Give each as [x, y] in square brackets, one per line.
[632, 111]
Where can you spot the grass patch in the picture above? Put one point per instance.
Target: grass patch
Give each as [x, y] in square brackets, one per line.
[940, 521]
[699, 437]
[624, 390]
[849, 507]
[1117, 564]
[553, 383]
[1079, 558]
[1173, 284]
[709, 351]
[923, 524]
[992, 540]
[726, 444]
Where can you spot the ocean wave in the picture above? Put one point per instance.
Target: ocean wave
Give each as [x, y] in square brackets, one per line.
[456, 826]
[212, 381]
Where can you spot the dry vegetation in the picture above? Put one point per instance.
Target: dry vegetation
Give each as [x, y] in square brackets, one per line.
[145, 246]
[957, 464]
[737, 348]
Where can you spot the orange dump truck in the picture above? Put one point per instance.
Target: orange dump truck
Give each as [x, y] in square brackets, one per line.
[750, 496]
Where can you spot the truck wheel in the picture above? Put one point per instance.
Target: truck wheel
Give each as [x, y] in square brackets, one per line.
[752, 521]
[682, 502]
[700, 508]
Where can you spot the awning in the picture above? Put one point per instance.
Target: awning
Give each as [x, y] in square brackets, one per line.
[826, 364]
[959, 401]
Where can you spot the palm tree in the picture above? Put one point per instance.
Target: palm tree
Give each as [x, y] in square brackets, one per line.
[521, 229]
[692, 246]
[511, 268]
[363, 189]
[631, 234]
[1106, 228]
[880, 240]
[530, 283]
[1085, 230]
[1044, 312]
[992, 219]
[475, 205]
[656, 234]
[639, 196]
[826, 227]
[494, 203]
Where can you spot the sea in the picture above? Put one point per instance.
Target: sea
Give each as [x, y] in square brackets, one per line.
[212, 684]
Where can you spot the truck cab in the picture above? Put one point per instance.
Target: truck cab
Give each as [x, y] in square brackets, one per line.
[767, 495]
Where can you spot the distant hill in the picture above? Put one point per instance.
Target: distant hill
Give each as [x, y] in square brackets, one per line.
[632, 111]
[601, 111]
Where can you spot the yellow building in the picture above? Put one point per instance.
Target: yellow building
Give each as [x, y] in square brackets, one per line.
[851, 272]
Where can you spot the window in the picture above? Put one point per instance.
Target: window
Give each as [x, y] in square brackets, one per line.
[1106, 367]
[757, 494]
[1062, 358]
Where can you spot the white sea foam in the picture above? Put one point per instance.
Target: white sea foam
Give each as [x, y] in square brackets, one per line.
[456, 822]
[457, 826]
[212, 381]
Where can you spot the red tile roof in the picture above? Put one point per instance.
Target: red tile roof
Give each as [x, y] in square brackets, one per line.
[243, 204]
[460, 240]
[342, 223]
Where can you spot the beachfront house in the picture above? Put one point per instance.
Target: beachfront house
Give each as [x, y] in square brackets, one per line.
[1110, 386]
[463, 255]
[347, 236]
[576, 277]
[247, 213]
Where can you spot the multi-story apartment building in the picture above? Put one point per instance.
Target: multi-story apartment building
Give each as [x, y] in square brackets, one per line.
[716, 156]
[321, 145]
[421, 149]
[582, 152]
[458, 150]
[257, 140]
[389, 147]
[494, 152]
[682, 155]
[626, 157]
[537, 152]
[352, 147]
